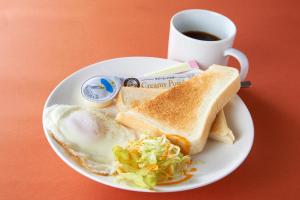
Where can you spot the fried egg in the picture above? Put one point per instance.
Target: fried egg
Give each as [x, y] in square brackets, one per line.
[88, 135]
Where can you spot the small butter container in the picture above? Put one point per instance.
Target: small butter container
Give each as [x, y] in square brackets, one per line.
[100, 91]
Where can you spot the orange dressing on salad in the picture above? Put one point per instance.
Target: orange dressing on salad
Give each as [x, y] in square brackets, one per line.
[182, 142]
[187, 177]
[193, 169]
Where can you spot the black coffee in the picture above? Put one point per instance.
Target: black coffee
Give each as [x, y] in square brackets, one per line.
[199, 35]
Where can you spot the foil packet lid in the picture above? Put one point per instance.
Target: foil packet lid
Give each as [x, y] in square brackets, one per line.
[101, 89]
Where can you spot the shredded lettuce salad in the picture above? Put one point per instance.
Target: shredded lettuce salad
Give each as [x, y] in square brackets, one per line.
[149, 161]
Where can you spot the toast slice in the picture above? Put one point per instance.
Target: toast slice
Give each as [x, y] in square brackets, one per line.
[130, 97]
[220, 131]
[185, 113]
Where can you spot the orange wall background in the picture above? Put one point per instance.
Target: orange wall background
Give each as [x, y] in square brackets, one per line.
[42, 42]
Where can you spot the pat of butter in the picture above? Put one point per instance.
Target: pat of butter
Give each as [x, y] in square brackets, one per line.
[170, 70]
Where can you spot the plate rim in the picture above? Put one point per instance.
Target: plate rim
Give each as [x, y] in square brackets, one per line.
[90, 176]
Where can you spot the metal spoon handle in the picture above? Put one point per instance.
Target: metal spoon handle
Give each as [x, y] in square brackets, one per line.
[246, 84]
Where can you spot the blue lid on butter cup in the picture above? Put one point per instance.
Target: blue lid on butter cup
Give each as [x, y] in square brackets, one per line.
[100, 89]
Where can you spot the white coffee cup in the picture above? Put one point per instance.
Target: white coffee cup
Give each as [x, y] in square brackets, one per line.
[206, 53]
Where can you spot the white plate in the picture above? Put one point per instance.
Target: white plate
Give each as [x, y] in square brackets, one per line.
[218, 159]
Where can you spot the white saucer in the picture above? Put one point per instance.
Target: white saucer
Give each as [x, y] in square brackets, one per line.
[217, 160]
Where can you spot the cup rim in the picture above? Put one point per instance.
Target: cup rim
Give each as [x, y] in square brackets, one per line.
[206, 11]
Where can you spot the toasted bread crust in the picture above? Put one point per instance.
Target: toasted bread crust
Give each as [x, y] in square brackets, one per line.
[125, 102]
[188, 109]
[137, 124]
[219, 130]
[186, 98]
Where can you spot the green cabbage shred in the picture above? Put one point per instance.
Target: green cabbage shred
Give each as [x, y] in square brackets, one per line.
[149, 161]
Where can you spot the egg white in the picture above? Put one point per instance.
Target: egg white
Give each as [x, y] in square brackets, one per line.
[87, 134]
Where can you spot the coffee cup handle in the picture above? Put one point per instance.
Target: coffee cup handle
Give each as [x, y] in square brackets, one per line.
[243, 60]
